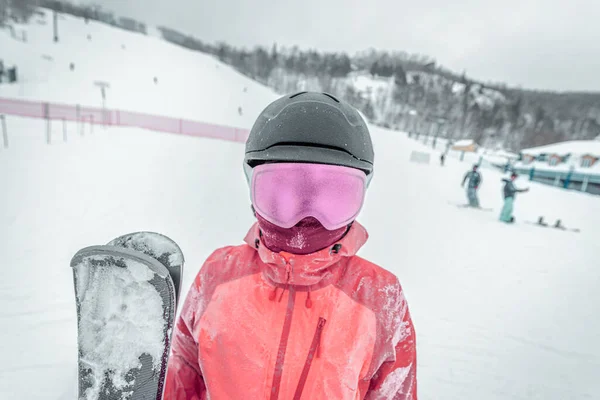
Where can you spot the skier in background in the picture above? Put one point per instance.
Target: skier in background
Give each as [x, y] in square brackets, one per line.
[442, 159]
[509, 198]
[294, 313]
[474, 178]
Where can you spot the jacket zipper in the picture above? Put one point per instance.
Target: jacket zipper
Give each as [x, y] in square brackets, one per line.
[285, 335]
[314, 347]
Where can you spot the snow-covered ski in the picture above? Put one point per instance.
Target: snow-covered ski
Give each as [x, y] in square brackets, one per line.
[126, 304]
[557, 225]
[463, 205]
[157, 246]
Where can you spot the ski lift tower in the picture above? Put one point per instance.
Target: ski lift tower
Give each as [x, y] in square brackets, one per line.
[440, 122]
[55, 24]
[413, 129]
[103, 86]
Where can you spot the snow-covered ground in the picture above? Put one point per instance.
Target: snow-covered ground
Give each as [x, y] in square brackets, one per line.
[501, 311]
[368, 84]
[190, 85]
[569, 147]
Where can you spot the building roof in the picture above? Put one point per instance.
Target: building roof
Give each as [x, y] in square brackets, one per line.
[464, 143]
[575, 147]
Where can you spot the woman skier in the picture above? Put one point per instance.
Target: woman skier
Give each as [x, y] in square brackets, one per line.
[294, 313]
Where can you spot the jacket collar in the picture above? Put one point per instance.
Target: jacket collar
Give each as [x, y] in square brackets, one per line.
[310, 269]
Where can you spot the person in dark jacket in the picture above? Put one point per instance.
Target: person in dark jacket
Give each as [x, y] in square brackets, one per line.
[510, 191]
[474, 178]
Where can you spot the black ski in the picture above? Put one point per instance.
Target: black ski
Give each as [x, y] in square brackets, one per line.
[126, 305]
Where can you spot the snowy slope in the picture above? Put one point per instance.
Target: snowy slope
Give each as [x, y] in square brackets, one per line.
[380, 91]
[580, 147]
[190, 84]
[501, 312]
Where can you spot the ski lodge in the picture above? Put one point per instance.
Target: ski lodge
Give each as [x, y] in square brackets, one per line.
[466, 145]
[572, 165]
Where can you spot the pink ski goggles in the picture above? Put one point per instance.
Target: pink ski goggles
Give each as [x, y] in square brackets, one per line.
[286, 193]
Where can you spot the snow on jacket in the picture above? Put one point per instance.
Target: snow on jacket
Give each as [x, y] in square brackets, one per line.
[263, 325]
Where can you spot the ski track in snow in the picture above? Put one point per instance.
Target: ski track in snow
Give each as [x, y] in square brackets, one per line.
[500, 311]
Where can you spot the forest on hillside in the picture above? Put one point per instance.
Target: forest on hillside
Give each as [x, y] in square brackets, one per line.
[408, 91]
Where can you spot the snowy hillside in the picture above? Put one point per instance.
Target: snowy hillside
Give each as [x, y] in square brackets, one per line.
[501, 312]
[189, 83]
[570, 147]
[513, 118]
[377, 96]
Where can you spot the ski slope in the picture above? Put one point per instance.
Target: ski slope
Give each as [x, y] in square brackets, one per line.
[190, 85]
[501, 311]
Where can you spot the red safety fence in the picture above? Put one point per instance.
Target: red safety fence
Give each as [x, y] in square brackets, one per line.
[54, 111]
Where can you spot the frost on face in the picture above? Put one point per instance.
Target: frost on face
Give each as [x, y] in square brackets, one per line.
[121, 318]
[298, 241]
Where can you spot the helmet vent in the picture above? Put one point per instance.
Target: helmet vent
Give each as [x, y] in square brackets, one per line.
[331, 97]
[297, 94]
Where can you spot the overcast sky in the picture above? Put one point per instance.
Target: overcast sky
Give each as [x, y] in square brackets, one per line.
[541, 44]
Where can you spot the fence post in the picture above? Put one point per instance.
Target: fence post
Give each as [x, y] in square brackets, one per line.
[48, 126]
[4, 131]
[79, 121]
[64, 130]
[462, 156]
[568, 178]
[531, 173]
[584, 185]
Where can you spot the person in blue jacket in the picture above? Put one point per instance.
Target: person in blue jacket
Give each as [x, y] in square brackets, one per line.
[510, 191]
[474, 178]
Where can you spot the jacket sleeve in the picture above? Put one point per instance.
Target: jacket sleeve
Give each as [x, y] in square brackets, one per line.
[184, 378]
[396, 379]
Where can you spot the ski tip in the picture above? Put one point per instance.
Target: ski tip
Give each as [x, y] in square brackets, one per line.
[153, 242]
[100, 252]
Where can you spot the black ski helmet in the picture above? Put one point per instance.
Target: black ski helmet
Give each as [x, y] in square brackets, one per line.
[310, 127]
